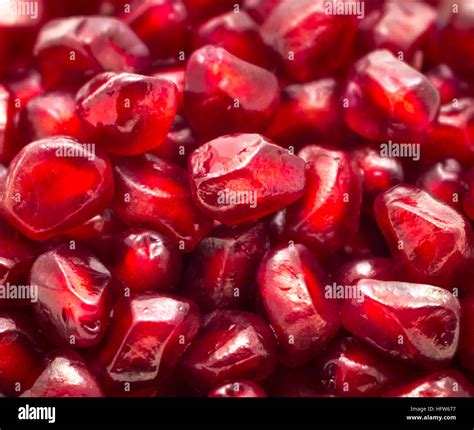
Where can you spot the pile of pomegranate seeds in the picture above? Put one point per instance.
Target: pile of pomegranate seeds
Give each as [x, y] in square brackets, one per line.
[237, 198]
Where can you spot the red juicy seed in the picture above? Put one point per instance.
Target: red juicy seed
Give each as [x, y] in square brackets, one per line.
[175, 75]
[446, 383]
[328, 214]
[64, 374]
[259, 10]
[145, 341]
[237, 33]
[432, 239]
[145, 260]
[413, 322]
[387, 99]
[20, 352]
[230, 345]
[401, 27]
[155, 193]
[244, 177]
[444, 181]
[97, 44]
[379, 173]
[127, 114]
[310, 42]
[161, 25]
[292, 286]
[224, 94]
[8, 147]
[448, 84]
[349, 368]
[222, 268]
[50, 114]
[383, 269]
[466, 346]
[455, 124]
[25, 85]
[179, 143]
[55, 184]
[73, 296]
[308, 112]
[238, 389]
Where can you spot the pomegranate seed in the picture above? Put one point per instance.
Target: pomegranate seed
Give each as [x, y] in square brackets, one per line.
[125, 113]
[432, 239]
[308, 112]
[64, 374]
[444, 181]
[412, 322]
[175, 75]
[219, 85]
[402, 28]
[238, 389]
[383, 269]
[379, 173]
[55, 184]
[50, 114]
[446, 383]
[145, 260]
[25, 85]
[349, 368]
[72, 50]
[328, 214]
[244, 177]
[309, 42]
[161, 25]
[73, 296]
[292, 286]
[7, 116]
[230, 345]
[388, 99]
[449, 85]
[155, 193]
[238, 34]
[222, 268]
[145, 341]
[455, 124]
[20, 349]
[260, 9]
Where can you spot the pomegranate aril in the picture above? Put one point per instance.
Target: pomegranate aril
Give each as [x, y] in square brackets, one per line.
[466, 345]
[387, 99]
[175, 75]
[379, 173]
[72, 50]
[144, 260]
[259, 10]
[349, 368]
[449, 85]
[432, 239]
[125, 113]
[454, 124]
[327, 216]
[416, 323]
[73, 296]
[8, 146]
[401, 27]
[230, 345]
[55, 184]
[154, 193]
[446, 383]
[64, 374]
[238, 34]
[147, 336]
[238, 389]
[293, 286]
[162, 25]
[383, 269]
[444, 180]
[20, 352]
[309, 42]
[244, 177]
[308, 112]
[221, 270]
[224, 94]
[24, 85]
[49, 114]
